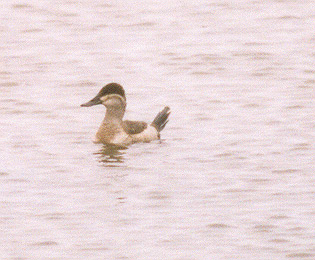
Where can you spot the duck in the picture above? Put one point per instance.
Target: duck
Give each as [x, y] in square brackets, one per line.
[116, 131]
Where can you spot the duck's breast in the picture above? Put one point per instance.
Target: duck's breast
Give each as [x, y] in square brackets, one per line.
[111, 134]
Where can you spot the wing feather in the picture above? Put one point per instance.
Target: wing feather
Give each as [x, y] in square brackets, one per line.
[134, 127]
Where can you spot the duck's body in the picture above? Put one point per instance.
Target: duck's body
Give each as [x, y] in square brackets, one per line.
[114, 130]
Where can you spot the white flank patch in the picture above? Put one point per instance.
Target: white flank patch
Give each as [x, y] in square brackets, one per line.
[149, 134]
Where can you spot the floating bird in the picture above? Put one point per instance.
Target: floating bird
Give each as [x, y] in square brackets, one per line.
[114, 130]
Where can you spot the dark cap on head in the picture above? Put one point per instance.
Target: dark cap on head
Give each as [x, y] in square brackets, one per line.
[111, 88]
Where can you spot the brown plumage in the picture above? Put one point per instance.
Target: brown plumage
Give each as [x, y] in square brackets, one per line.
[113, 129]
[134, 127]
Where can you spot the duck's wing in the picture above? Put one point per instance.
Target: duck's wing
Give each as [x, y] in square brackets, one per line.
[134, 127]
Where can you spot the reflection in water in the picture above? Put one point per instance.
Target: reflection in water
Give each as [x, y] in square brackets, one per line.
[111, 155]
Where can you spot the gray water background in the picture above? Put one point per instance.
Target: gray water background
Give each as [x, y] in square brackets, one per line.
[233, 176]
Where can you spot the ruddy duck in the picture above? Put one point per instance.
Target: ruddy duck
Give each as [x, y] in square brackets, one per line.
[113, 129]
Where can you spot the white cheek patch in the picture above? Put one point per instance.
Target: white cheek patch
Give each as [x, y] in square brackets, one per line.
[112, 100]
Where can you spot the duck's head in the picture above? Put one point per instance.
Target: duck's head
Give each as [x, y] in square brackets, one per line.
[111, 96]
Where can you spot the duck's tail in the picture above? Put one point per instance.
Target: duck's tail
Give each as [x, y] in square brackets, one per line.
[160, 120]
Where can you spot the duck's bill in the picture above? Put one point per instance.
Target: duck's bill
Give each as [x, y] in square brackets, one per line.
[93, 102]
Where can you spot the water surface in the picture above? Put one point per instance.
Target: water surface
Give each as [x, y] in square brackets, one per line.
[231, 178]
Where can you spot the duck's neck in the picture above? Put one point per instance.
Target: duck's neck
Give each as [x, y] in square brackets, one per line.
[111, 125]
[114, 115]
